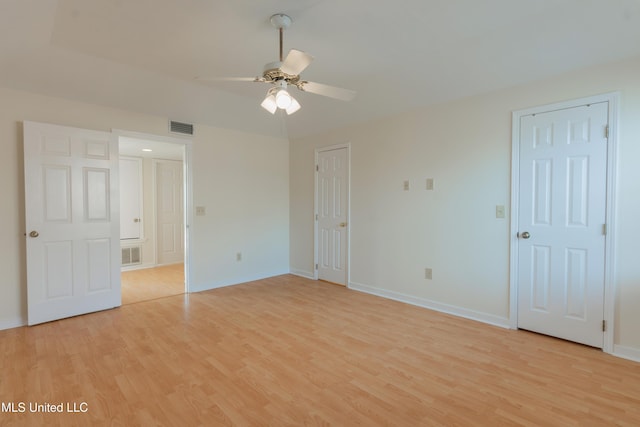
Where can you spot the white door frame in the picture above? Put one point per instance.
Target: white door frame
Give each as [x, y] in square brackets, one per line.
[315, 208]
[612, 150]
[188, 190]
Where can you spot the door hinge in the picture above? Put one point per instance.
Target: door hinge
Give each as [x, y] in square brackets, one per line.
[604, 325]
[316, 266]
[606, 131]
[604, 229]
[316, 217]
[317, 168]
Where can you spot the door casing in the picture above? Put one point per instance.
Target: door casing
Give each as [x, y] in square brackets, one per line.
[609, 280]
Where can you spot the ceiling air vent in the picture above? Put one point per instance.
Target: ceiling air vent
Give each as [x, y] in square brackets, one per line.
[181, 128]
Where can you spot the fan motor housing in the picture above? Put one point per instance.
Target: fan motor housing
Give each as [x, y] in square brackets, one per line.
[273, 73]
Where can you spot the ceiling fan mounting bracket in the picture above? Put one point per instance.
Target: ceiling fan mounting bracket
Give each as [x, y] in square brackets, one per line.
[280, 21]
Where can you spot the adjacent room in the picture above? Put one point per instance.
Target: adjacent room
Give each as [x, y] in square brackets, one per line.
[151, 219]
[314, 212]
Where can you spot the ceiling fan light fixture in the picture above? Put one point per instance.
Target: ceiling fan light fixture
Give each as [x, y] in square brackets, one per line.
[283, 99]
[269, 103]
[295, 106]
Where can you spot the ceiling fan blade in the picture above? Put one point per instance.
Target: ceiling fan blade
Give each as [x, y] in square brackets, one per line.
[326, 90]
[231, 79]
[295, 62]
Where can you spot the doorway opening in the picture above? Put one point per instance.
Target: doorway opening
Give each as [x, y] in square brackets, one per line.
[154, 188]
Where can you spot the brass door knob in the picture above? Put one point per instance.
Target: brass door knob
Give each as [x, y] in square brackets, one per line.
[525, 235]
[34, 233]
[343, 224]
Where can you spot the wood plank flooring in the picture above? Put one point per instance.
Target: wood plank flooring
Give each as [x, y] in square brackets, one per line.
[151, 283]
[287, 351]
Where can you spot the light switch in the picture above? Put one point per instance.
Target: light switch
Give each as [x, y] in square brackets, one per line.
[201, 210]
[500, 211]
[405, 185]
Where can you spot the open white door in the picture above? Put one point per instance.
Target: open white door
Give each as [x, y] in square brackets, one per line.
[71, 195]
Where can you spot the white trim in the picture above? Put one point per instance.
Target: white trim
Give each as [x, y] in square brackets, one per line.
[188, 190]
[154, 209]
[629, 353]
[610, 290]
[302, 273]
[478, 316]
[12, 323]
[317, 151]
[610, 287]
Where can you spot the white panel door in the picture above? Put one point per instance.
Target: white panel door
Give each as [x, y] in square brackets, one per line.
[130, 198]
[562, 212]
[333, 175]
[169, 213]
[71, 196]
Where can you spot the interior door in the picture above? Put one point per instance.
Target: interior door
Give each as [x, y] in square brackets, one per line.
[562, 214]
[71, 195]
[130, 197]
[333, 175]
[170, 212]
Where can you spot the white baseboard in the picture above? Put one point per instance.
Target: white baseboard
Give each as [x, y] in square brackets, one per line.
[302, 273]
[624, 352]
[491, 319]
[137, 267]
[236, 281]
[12, 323]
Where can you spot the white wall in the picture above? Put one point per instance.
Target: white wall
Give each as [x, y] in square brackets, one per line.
[465, 146]
[241, 178]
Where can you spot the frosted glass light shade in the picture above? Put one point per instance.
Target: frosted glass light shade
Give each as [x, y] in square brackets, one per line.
[269, 104]
[295, 106]
[283, 99]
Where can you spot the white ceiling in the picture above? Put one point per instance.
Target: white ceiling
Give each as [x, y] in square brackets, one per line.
[135, 147]
[144, 55]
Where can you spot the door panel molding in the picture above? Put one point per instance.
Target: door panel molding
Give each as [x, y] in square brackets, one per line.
[609, 279]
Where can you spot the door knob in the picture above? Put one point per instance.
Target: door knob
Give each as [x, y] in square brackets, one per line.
[34, 233]
[525, 235]
[343, 224]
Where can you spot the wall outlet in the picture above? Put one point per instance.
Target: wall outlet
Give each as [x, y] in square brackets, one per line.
[405, 185]
[429, 184]
[201, 210]
[500, 211]
[239, 256]
[428, 274]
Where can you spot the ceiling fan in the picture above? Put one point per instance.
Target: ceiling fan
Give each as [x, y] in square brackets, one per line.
[285, 73]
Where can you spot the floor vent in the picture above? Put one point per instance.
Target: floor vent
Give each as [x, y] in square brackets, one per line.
[181, 128]
[131, 255]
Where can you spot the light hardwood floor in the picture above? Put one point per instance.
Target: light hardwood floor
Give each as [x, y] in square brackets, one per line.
[287, 351]
[151, 283]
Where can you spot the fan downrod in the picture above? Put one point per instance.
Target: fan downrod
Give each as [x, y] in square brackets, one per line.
[281, 22]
